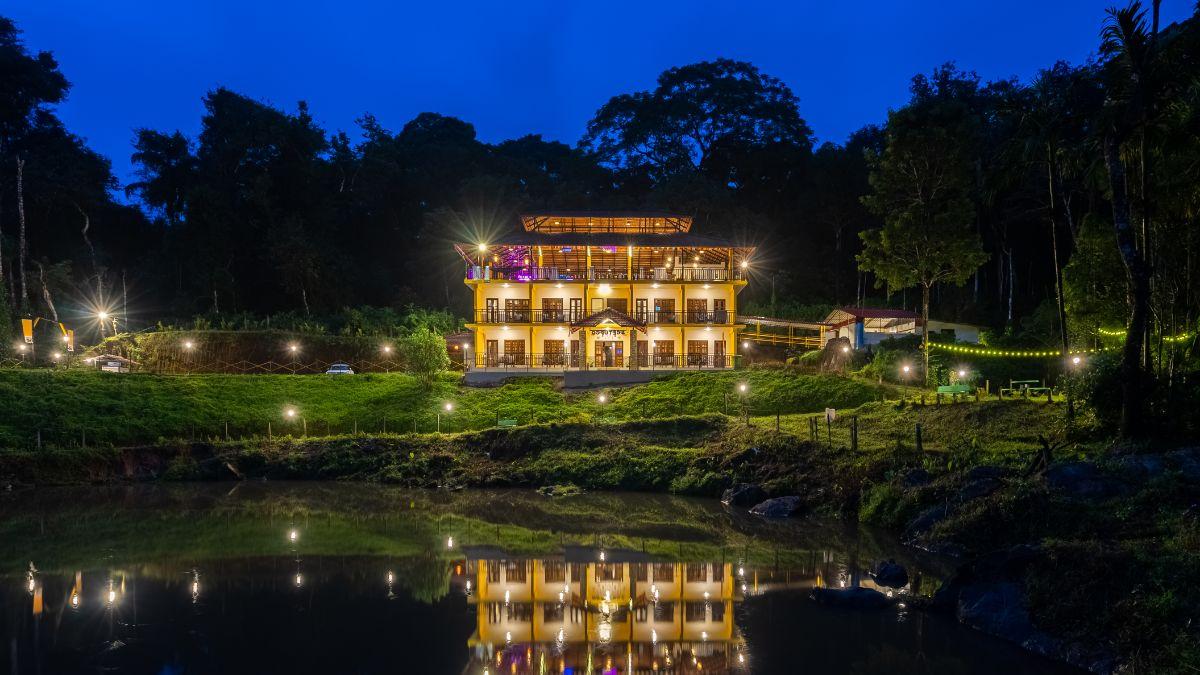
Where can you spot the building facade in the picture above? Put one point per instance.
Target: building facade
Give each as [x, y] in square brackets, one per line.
[604, 291]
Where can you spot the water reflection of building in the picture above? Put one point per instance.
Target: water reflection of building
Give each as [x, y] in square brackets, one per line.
[596, 610]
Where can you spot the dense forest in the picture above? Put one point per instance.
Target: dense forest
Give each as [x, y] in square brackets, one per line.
[1013, 204]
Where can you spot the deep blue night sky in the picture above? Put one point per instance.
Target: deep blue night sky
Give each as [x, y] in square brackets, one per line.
[518, 68]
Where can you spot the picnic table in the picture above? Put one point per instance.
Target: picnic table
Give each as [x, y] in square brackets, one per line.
[1025, 388]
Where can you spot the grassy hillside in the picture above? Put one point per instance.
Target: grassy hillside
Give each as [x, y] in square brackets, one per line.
[74, 407]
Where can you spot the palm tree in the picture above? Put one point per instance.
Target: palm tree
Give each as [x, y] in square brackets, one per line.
[1129, 44]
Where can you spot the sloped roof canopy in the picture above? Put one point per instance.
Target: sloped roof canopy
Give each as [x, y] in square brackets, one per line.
[844, 315]
[610, 316]
[606, 222]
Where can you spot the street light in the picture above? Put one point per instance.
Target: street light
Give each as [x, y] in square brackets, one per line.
[602, 398]
[292, 413]
[742, 388]
[1075, 360]
[845, 349]
[188, 345]
[905, 369]
[448, 408]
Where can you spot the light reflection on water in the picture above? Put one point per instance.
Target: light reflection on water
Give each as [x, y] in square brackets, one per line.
[352, 578]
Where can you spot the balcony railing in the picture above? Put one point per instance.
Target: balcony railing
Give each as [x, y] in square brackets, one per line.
[563, 316]
[521, 274]
[551, 316]
[565, 361]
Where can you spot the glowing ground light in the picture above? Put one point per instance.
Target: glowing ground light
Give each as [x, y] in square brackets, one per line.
[1075, 360]
[298, 580]
[188, 345]
[742, 387]
[449, 542]
[962, 373]
[293, 535]
[905, 369]
[602, 398]
[102, 315]
[74, 600]
[845, 349]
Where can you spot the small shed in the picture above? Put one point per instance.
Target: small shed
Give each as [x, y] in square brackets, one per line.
[112, 363]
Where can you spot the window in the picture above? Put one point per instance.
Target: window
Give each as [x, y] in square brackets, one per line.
[552, 612]
[697, 572]
[718, 572]
[640, 310]
[575, 309]
[493, 572]
[694, 611]
[664, 611]
[718, 611]
[519, 611]
[697, 311]
[610, 572]
[697, 352]
[664, 572]
[556, 571]
[639, 571]
[514, 571]
[719, 313]
[492, 349]
[552, 310]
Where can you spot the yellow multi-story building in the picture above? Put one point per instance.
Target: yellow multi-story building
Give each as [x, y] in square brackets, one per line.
[603, 291]
[579, 613]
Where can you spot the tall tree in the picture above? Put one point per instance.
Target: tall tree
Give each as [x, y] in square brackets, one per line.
[920, 187]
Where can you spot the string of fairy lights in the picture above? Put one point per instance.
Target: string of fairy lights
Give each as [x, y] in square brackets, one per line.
[1010, 353]
[1181, 337]
[1047, 353]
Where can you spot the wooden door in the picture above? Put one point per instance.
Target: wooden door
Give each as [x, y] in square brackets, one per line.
[619, 304]
[719, 314]
[664, 352]
[552, 310]
[576, 309]
[697, 311]
[514, 352]
[640, 309]
[643, 353]
[492, 350]
[491, 311]
[517, 311]
[697, 352]
[719, 354]
[664, 310]
[552, 352]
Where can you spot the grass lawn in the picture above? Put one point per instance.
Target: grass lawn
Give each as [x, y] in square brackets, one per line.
[74, 407]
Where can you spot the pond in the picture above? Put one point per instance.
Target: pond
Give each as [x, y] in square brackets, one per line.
[338, 578]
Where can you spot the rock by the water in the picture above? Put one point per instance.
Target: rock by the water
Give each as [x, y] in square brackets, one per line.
[779, 507]
[1083, 480]
[891, 574]
[851, 598]
[743, 494]
[980, 487]
[925, 521]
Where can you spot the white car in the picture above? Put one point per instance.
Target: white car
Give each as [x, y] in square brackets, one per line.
[340, 369]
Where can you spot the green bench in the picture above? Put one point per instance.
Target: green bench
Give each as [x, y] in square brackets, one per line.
[506, 423]
[955, 390]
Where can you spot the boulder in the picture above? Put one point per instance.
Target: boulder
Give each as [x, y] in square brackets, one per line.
[851, 598]
[743, 494]
[915, 478]
[980, 487]
[779, 507]
[925, 521]
[984, 471]
[891, 574]
[1083, 480]
[997, 608]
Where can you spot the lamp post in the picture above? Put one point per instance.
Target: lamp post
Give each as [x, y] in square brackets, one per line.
[291, 414]
[188, 345]
[293, 348]
[387, 355]
[743, 391]
[905, 370]
[448, 408]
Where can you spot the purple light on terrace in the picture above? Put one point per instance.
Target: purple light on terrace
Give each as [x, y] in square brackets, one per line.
[610, 249]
